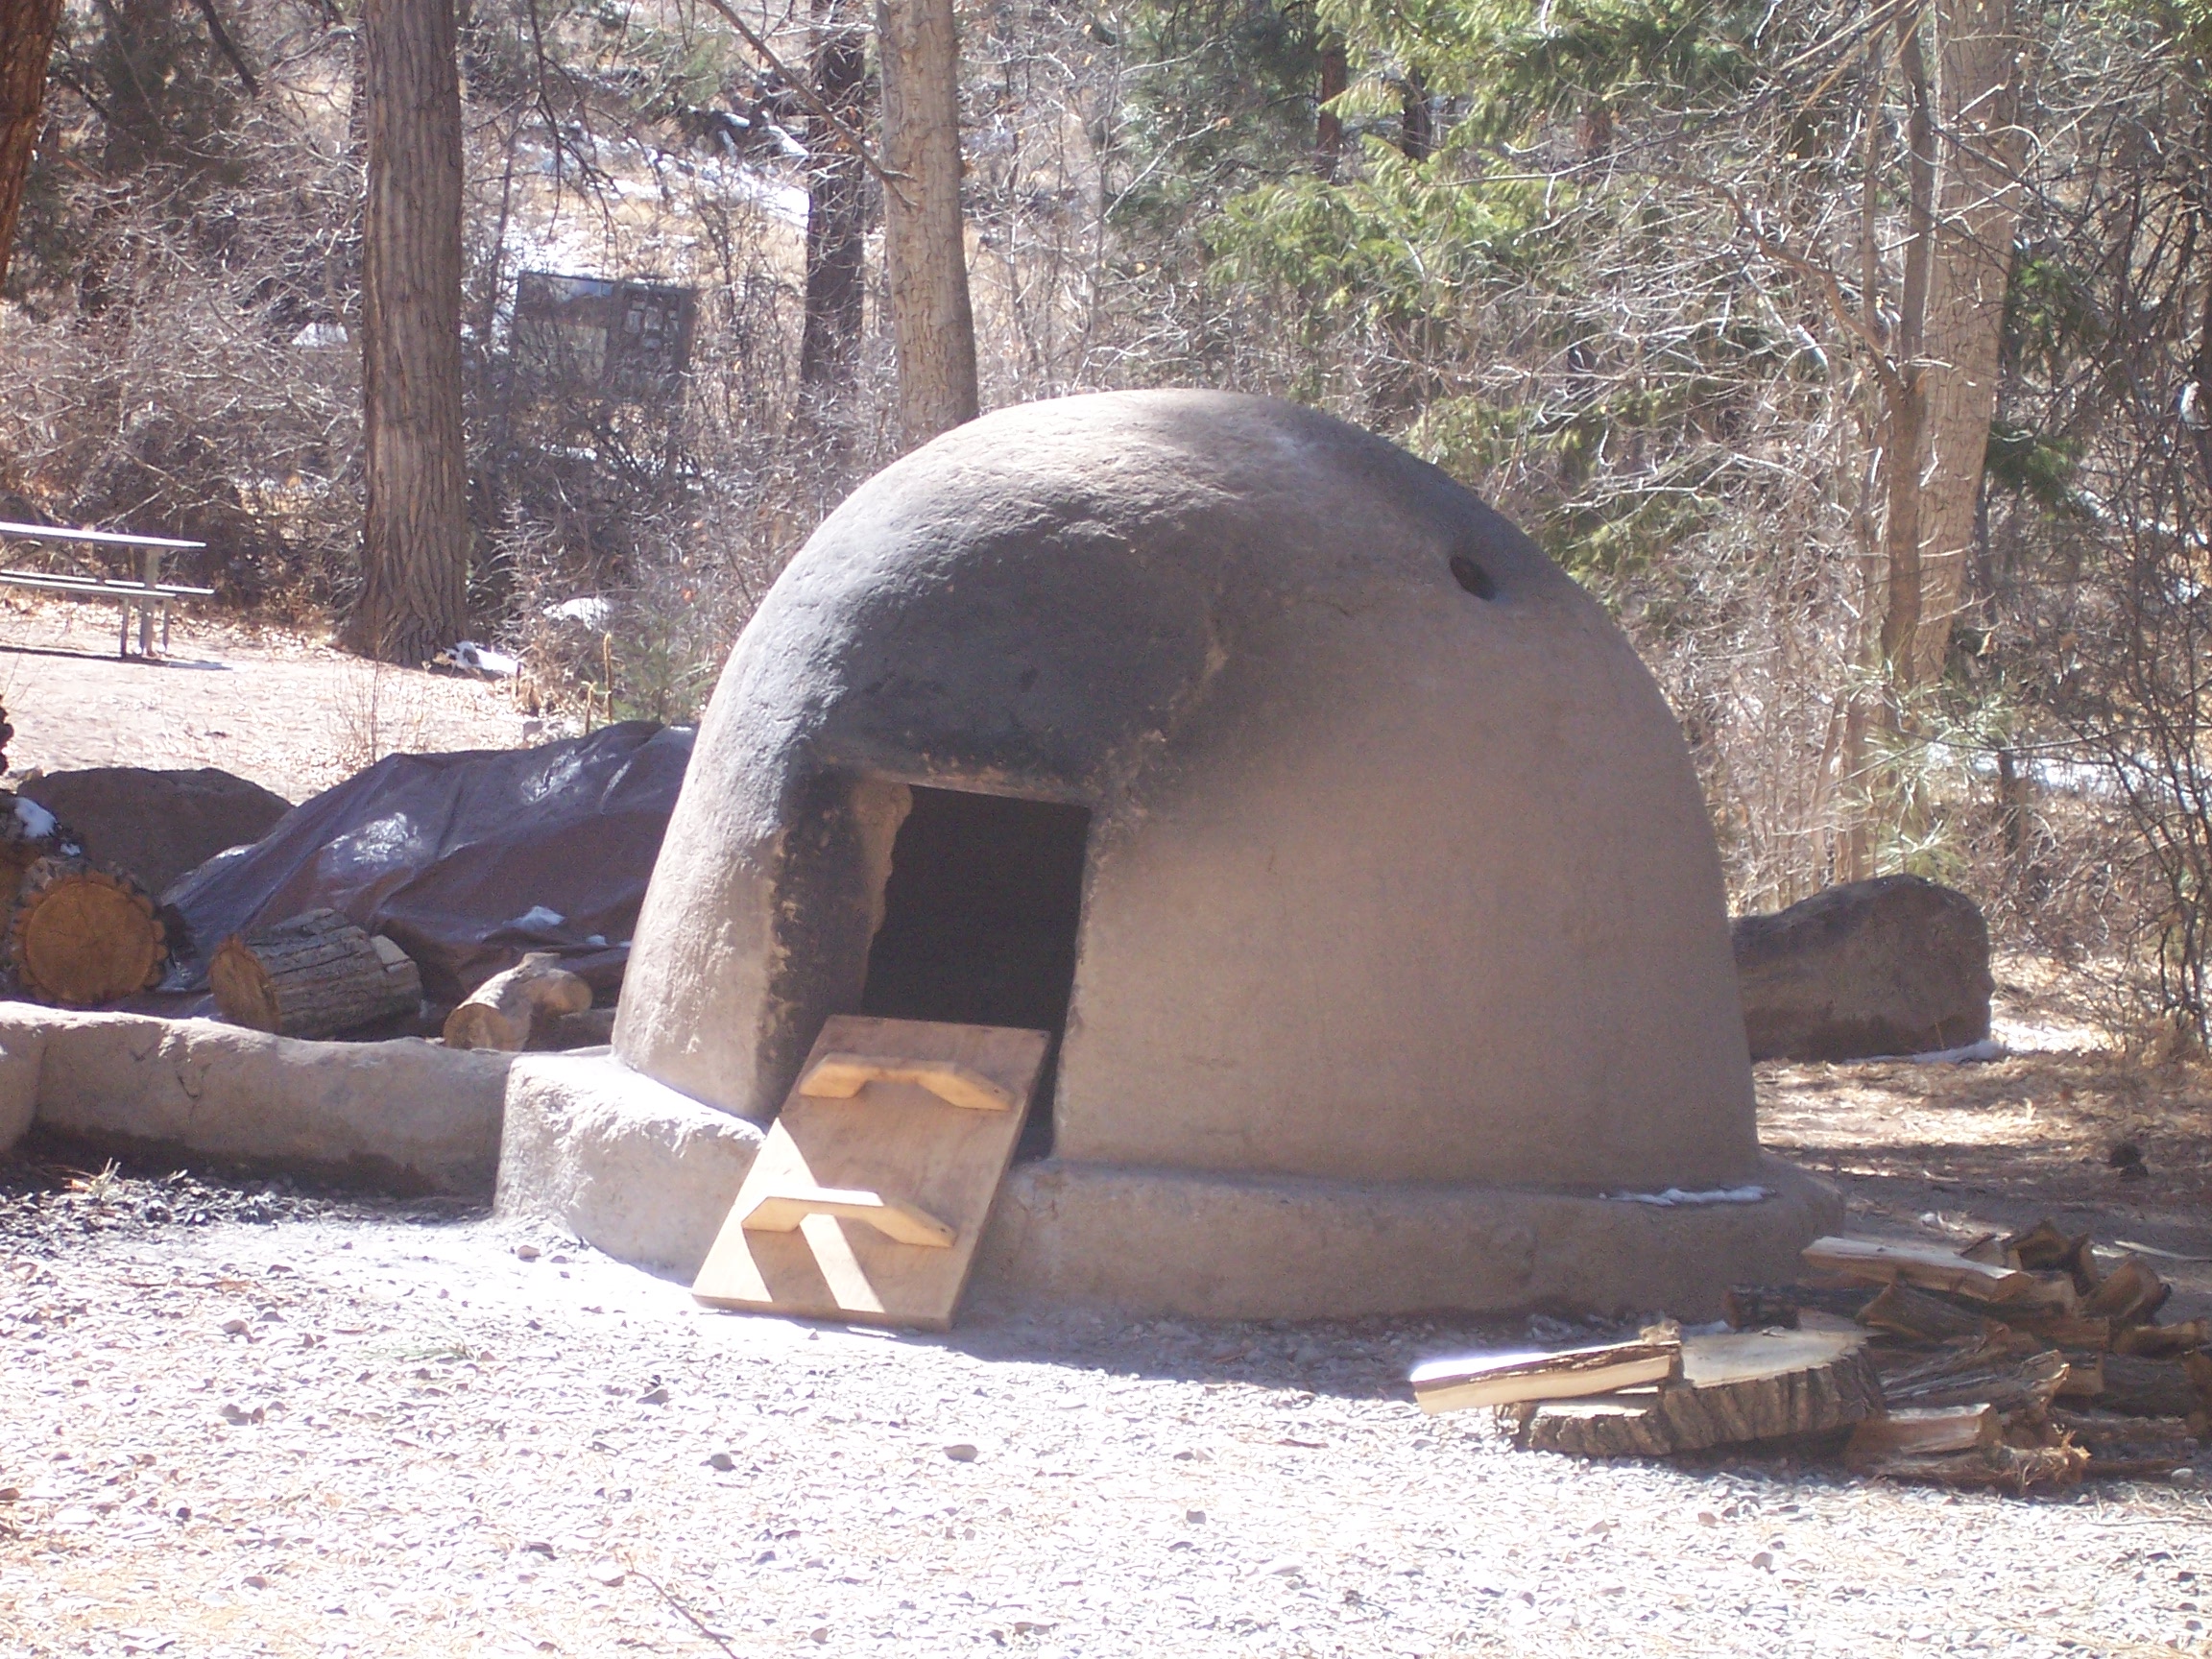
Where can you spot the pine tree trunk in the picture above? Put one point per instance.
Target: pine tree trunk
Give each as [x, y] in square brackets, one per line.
[1329, 126]
[415, 543]
[836, 203]
[25, 43]
[924, 242]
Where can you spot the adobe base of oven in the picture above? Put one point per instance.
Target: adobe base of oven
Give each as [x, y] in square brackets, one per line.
[647, 1176]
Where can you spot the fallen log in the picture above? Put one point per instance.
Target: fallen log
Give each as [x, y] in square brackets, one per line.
[1755, 1385]
[1506, 1379]
[499, 1012]
[1874, 1261]
[2015, 1468]
[1922, 1315]
[80, 935]
[315, 974]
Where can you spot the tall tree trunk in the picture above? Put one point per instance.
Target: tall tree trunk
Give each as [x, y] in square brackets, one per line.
[25, 43]
[1329, 126]
[415, 542]
[1959, 318]
[925, 240]
[1416, 118]
[837, 202]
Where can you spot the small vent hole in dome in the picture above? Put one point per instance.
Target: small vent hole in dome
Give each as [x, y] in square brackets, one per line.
[1473, 577]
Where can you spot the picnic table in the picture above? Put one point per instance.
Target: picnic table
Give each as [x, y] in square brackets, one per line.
[145, 593]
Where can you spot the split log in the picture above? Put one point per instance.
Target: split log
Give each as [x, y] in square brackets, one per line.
[2131, 1295]
[2142, 1387]
[1922, 1432]
[2164, 1341]
[2085, 1378]
[1508, 1379]
[1781, 1306]
[1874, 1262]
[2000, 1369]
[1922, 1315]
[2044, 1249]
[2014, 1468]
[314, 976]
[80, 935]
[2120, 1446]
[1756, 1386]
[499, 1012]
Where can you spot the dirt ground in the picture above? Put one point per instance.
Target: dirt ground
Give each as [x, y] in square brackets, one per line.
[244, 1419]
[285, 709]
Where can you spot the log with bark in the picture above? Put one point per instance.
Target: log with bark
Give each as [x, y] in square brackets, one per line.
[316, 974]
[1733, 1389]
[2014, 1468]
[2131, 1295]
[2140, 1388]
[2003, 1369]
[80, 935]
[498, 1014]
[1782, 1306]
[1876, 1262]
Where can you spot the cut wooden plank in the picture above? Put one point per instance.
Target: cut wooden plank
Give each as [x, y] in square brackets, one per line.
[897, 1142]
[315, 974]
[782, 1210]
[500, 1013]
[80, 935]
[841, 1077]
[1555, 1374]
[1921, 1431]
[1750, 1386]
[1876, 1261]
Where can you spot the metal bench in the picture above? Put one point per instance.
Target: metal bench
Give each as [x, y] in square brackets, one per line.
[145, 593]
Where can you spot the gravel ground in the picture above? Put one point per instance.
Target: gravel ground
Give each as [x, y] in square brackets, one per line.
[250, 1420]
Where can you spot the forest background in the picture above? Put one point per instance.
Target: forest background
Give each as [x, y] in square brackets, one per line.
[1852, 354]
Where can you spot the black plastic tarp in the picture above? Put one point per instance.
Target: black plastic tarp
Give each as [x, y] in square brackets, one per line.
[465, 861]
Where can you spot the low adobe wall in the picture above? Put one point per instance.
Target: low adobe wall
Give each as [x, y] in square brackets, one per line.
[404, 1115]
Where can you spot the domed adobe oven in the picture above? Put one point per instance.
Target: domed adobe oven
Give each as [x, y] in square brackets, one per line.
[1345, 845]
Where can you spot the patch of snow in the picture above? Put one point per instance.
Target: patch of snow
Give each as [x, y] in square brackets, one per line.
[36, 822]
[537, 920]
[483, 660]
[1674, 1195]
[591, 612]
[1989, 1048]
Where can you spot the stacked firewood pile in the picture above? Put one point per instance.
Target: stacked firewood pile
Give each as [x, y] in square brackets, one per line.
[2018, 1361]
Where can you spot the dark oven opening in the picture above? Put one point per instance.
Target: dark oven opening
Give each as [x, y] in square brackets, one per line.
[979, 919]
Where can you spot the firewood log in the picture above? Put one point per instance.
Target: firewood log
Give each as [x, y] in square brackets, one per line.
[1559, 1374]
[80, 935]
[2164, 1341]
[313, 976]
[1923, 1431]
[1755, 1385]
[2131, 1295]
[2015, 1468]
[499, 1012]
[1873, 1261]
[2142, 1387]
[1780, 1307]
[2000, 1369]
